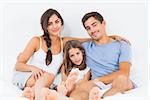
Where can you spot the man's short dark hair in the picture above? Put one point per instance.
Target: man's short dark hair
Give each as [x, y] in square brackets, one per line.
[96, 15]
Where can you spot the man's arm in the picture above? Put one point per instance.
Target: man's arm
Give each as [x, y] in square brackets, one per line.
[124, 69]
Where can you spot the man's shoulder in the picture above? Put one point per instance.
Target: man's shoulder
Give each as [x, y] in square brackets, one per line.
[85, 44]
[122, 43]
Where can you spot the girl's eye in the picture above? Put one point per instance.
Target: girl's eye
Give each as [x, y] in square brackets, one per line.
[71, 56]
[78, 53]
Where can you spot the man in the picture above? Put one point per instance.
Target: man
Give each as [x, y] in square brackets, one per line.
[109, 60]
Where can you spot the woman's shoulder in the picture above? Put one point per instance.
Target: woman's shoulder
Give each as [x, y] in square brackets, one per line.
[36, 39]
[64, 39]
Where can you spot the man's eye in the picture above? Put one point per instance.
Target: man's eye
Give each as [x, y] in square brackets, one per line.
[87, 28]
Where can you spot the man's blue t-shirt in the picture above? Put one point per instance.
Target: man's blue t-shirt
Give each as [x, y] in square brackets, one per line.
[103, 59]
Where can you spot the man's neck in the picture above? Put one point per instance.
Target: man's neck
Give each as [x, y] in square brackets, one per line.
[103, 40]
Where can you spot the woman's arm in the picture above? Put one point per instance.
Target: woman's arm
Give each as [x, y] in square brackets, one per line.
[26, 54]
[119, 38]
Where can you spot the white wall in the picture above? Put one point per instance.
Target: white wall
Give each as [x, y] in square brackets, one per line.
[21, 21]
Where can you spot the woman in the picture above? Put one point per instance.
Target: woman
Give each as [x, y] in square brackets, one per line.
[45, 54]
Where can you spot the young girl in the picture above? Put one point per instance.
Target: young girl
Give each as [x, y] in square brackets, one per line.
[74, 62]
[73, 72]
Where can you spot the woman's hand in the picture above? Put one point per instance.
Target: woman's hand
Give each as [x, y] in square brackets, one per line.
[119, 38]
[36, 72]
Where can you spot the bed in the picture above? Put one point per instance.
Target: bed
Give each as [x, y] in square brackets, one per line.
[9, 92]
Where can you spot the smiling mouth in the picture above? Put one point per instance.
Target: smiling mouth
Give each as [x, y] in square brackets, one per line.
[55, 30]
[77, 61]
[95, 33]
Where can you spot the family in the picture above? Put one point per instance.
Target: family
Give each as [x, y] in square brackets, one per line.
[82, 67]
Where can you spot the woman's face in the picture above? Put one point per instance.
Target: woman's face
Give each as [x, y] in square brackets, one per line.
[54, 25]
[76, 56]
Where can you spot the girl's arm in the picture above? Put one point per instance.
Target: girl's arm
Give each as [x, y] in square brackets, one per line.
[64, 76]
[87, 75]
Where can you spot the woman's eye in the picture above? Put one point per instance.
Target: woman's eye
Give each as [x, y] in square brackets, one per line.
[57, 21]
[94, 24]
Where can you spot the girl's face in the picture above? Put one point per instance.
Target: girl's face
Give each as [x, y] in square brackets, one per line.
[54, 25]
[76, 56]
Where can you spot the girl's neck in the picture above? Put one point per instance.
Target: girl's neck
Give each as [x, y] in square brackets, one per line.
[77, 66]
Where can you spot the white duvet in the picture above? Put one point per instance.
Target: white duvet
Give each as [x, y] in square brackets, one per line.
[9, 92]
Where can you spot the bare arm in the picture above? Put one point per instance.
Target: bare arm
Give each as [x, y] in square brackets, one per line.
[87, 75]
[124, 69]
[86, 78]
[25, 55]
[115, 37]
[64, 76]
[44, 81]
[65, 39]
[119, 38]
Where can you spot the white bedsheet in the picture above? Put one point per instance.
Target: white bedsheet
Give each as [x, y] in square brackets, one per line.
[10, 92]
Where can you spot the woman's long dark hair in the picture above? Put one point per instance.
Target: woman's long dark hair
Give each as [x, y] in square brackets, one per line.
[44, 24]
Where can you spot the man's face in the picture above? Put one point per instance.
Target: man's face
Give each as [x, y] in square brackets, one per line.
[95, 29]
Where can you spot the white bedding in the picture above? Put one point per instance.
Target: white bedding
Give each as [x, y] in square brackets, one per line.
[10, 92]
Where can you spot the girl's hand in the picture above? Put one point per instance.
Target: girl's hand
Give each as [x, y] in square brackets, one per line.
[36, 72]
[64, 77]
[119, 38]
